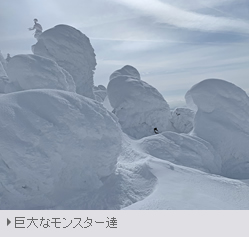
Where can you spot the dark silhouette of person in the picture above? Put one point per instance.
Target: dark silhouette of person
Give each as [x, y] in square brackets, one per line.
[156, 131]
[8, 57]
[38, 29]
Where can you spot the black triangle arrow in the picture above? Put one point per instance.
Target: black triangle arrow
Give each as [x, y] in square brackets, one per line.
[8, 221]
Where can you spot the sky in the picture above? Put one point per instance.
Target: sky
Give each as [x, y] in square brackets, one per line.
[174, 44]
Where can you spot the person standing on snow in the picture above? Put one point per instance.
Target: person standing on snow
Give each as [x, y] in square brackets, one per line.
[38, 29]
[8, 57]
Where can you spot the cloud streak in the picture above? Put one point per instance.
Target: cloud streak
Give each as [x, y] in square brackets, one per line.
[166, 13]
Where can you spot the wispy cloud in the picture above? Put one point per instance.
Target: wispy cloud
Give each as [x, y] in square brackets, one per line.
[166, 13]
[123, 39]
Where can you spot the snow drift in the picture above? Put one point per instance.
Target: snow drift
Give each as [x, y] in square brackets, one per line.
[48, 147]
[73, 51]
[34, 72]
[183, 188]
[222, 119]
[139, 107]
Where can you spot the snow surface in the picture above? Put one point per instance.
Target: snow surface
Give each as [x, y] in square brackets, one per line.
[73, 51]
[139, 107]
[222, 119]
[34, 72]
[181, 188]
[54, 144]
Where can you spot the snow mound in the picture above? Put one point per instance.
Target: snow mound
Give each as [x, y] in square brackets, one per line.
[139, 107]
[131, 182]
[73, 51]
[182, 149]
[54, 145]
[128, 71]
[222, 119]
[182, 120]
[34, 72]
[100, 93]
[183, 188]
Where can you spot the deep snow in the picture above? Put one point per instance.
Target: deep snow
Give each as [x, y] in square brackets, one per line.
[62, 150]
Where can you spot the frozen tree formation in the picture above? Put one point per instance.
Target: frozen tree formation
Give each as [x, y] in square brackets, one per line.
[34, 72]
[71, 50]
[54, 144]
[222, 119]
[139, 107]
[128, 71]
[67, 144]
[182, 119]
[100, 93]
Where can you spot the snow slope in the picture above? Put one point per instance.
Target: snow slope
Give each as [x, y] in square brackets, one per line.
[181, 188]
[139, 107]
[34, 72]
[71, 50]
[131, 182]
[54, 145]
[222, 119]
[143, 182]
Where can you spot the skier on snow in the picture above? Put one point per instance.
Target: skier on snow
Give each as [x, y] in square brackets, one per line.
[38, 29]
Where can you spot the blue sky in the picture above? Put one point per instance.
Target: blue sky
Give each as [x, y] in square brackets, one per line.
[173, 43]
